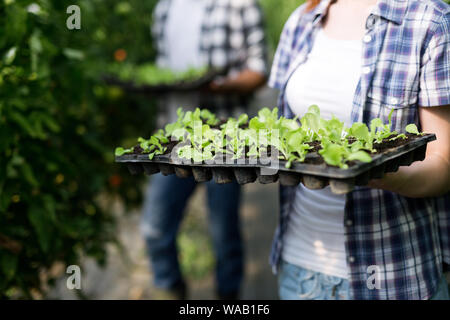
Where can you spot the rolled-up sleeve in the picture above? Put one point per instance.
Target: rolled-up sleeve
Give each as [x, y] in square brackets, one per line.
[435, 68]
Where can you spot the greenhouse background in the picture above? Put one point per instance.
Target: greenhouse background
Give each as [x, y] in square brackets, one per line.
[63, 200]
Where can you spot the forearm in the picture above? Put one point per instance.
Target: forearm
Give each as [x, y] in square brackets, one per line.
[245, 82]
[428, 178]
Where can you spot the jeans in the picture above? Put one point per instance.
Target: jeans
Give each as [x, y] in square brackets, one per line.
[165, 202]
[297, 283]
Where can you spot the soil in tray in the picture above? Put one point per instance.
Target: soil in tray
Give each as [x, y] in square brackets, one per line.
[313, 156]
[315, 146]
[387, 144]
[138, 150]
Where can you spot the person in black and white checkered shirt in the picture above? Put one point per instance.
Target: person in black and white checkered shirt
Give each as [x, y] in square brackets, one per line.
[232, 36]
[215, 34]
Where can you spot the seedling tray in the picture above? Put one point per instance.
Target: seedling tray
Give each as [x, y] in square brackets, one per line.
[311, 174]
[179, 86]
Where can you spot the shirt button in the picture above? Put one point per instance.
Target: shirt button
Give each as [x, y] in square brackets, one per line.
[367, 38]
[370, 21]
[351, 259]
[349, 223]
[366, 70]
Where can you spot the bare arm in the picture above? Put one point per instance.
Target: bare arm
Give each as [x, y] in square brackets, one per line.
[246, 81]
[430, 177]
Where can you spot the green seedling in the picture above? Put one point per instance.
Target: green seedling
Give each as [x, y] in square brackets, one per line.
[412, 128]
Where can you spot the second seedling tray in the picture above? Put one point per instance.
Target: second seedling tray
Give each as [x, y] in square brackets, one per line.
[313, 176]
[179, 86]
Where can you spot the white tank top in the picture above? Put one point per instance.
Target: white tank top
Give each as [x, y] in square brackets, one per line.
[315, 234]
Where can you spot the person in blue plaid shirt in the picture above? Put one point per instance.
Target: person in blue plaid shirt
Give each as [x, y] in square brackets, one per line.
[359, 60]
[216, 34]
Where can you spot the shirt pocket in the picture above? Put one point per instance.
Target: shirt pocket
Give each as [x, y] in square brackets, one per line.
[395, 81]
[402, 103]
[393, 98]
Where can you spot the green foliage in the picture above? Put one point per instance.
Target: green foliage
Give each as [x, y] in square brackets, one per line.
[58, 123]
[276, 14]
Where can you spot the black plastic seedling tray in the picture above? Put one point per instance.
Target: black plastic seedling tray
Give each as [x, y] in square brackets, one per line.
[313, 176]
[180, 86]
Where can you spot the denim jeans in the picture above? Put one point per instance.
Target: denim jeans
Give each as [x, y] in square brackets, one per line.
[164, 205]
[297, 283]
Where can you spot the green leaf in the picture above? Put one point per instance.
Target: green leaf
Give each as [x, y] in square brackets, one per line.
[390, 119]
[311, 121]
[35, 48]
[255, 124]
[28, 174]
[399, 136]
[73, 54]
[10, 55]
[38, 218]
[23, 122]
[121, 151]
[295, 140]
[360, 156]
[360, 131]
[314, 109]
[412, 128]
[178, 134]
[333, 154]
[8, 264]
[243, 119]
[374, 124]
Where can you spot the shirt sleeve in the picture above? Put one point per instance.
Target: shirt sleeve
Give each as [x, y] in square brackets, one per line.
[435, 70]
[281, 59]
[252, 18]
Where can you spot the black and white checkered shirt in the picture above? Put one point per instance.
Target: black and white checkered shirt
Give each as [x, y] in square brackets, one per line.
[232, 35]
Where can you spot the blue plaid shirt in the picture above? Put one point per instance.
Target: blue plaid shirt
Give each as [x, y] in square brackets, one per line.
[405, 64]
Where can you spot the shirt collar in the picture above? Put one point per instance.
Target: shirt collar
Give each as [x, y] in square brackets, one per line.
[390, 10]
[320, 11]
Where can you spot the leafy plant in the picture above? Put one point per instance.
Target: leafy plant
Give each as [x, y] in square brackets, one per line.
[58, 124]
[412, 128]
[338, 154]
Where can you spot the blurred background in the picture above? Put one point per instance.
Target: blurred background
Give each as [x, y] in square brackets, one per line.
[63, 200]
